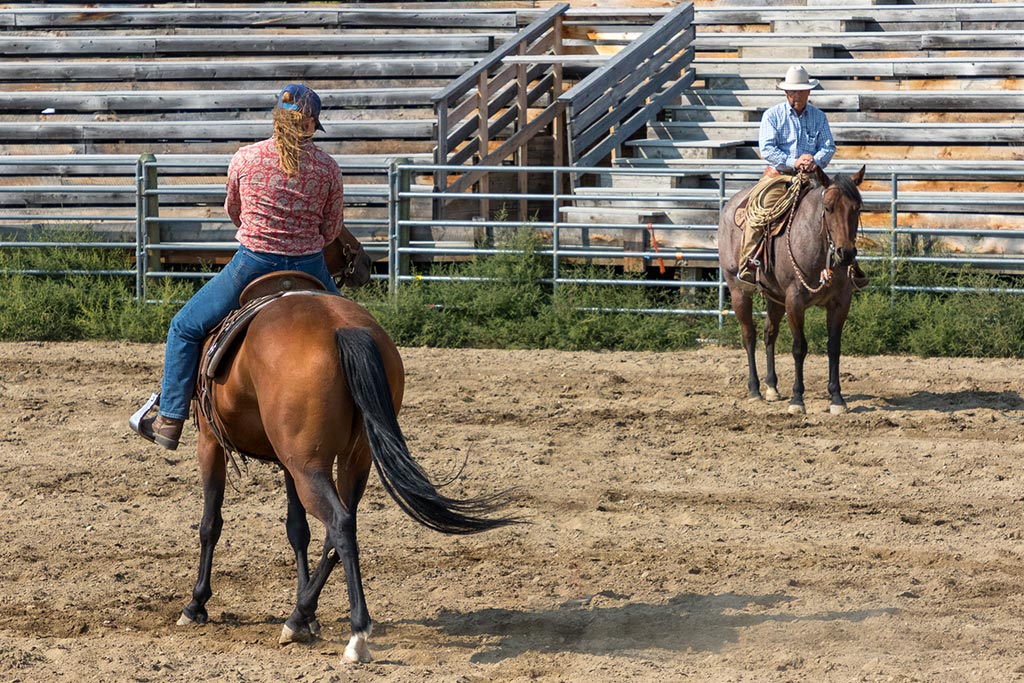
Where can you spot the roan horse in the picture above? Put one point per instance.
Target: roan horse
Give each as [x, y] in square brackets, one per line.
[314, 386]
[810, 268]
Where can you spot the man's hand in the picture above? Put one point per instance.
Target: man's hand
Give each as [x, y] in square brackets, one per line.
[806, 163]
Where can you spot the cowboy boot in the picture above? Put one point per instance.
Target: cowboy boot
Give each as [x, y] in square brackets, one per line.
[164, 431]
[747, 273]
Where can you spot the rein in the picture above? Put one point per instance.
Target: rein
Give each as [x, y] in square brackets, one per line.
[825, 279]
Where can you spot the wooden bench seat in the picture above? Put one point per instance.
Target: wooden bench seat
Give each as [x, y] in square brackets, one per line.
[867, 41]
[893, 69]
[237, 45]
[360, 16]
[228, 72]
[897, 132]
[126, 101]
[966, 16]
[850, 97]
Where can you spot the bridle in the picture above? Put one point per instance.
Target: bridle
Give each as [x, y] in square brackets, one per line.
[349, 268]
[825, 278]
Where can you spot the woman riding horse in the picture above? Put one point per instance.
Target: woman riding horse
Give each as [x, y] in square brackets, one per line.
[285, 196]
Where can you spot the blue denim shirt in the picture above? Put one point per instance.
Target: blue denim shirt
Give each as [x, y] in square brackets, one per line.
[784, 137]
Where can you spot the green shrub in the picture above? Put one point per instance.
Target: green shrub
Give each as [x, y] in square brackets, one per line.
[506, 300]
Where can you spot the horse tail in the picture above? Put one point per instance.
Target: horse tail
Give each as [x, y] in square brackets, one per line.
[403, 478]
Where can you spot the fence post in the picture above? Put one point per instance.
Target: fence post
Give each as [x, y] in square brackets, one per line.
[401, 182]
[893, 247]
[147, 206]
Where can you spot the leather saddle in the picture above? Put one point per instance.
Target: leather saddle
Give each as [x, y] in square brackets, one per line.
[254, 298]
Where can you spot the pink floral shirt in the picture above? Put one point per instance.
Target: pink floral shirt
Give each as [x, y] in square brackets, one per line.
[278, 214]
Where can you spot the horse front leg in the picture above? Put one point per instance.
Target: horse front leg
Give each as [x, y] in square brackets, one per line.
[835, 319]
[771, 332]
[795, 316]
[742, 306]
[212, 469]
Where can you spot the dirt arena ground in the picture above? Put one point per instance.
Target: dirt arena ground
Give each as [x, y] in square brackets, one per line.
[678, 531]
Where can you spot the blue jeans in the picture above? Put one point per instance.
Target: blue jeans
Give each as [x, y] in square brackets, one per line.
[207, 307]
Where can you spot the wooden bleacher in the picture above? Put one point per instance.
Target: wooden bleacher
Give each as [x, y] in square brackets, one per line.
[928, 88]
[85, 90]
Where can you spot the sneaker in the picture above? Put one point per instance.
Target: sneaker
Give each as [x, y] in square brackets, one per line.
[164, 431]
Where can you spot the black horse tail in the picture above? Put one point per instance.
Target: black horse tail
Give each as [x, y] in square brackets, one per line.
[403, 478]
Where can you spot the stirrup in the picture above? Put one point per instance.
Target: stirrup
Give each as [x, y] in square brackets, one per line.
[136, 418]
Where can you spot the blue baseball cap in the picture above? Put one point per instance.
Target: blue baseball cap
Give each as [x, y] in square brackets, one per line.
[298, 97]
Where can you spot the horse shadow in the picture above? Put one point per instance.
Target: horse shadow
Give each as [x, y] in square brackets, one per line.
[687, 622]
[947, 402]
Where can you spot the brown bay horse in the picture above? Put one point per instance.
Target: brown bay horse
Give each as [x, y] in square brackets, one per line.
[315, 386]
[810, 261]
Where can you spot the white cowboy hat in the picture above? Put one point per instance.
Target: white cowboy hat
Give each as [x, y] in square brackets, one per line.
[797, 79]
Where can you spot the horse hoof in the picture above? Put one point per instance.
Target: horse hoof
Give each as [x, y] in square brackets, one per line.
[771, 394]
[754, 397]
[357, 651]
[184, 620]
[837, 409]
[797, 409]
[314, 628]
[288, 636]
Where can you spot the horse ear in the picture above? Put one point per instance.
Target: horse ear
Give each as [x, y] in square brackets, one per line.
[858, 177]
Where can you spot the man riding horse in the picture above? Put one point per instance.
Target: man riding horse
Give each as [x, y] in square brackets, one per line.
[796, 142]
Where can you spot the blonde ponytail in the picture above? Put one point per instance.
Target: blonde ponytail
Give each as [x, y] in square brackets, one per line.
[290, 132]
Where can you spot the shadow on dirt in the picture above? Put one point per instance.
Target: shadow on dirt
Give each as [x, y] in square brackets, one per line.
[956, 401]
[686, 622]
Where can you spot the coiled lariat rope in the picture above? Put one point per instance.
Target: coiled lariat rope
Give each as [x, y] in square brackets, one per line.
[765, 216]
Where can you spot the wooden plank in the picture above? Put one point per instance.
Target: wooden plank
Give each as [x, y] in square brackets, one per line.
[246, 45]
[890, 132]
[973, 40]
[111, 17]
[777, 67]
[878, 40]
[276, 70]
[858, 99]
[905, 14]
[204, 130]
[202, 100]
[930, 68]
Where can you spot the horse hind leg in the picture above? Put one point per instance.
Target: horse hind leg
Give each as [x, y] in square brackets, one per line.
[743, 305]
[321, 499]
[297, 527]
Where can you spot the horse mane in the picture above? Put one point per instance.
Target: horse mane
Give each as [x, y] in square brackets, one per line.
[846, 186]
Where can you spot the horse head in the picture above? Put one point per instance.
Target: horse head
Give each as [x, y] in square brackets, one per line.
[841, 205]
[347, 261]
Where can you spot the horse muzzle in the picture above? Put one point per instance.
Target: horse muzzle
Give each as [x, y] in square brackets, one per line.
[844, 257]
